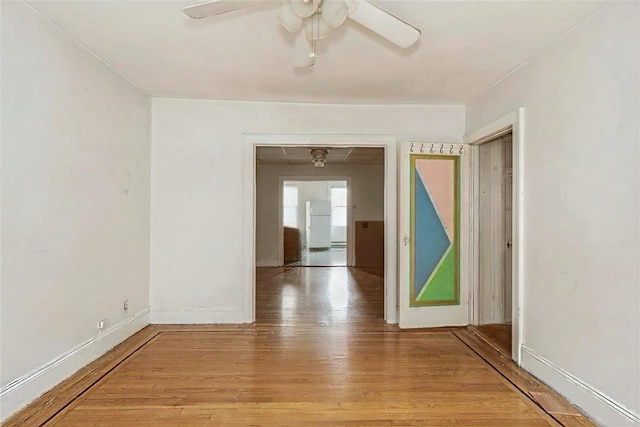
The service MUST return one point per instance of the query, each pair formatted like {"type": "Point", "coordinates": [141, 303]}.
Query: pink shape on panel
{"type": "Point", "coordinates": [437, 177]}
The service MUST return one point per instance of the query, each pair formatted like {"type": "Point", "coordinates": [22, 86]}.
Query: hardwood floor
{"type": "Point", "coordinates": [319, 353]}
{"type": "Point", "coordinates": [498, 335]}
{"type": "Point", "coordinates": [303, 297]}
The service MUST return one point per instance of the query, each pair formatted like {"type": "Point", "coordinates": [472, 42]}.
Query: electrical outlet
{"type": "Point", "coordinates": [125, 305]}
{"type": "Point", "coordinates": [101, 324]}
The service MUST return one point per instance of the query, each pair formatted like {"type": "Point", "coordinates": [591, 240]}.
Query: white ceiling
{"type": "Point", "coordinates": [301, 155]}
{"type": "Point", "coordinates": [465, 47]}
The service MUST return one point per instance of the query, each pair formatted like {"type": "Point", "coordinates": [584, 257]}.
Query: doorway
{"type": "Point", "coordinates": [495, 241]}
{"type": "Point", "coordinates": [263, 240]}
{"type": "Point", "coordinates": [511, 124]}
{"type": "Point", "coordinates": [315, 225]}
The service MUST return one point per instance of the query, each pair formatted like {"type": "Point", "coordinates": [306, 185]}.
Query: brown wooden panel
{"type": "Point", "coordinates": [369, 248]}
{"type": "Point", "coordinates": [291, 245]}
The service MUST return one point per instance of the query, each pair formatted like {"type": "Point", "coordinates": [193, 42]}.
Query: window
{"type": "Point", "coordinates": [290, 206]}
{"type": "Point", "coordinates": [338, 207]}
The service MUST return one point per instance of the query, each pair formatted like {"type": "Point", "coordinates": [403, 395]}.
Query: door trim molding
{"type": "Point", "coordinates": [253, 140]}
{"type": "Point", "coordinates": [514, 123]}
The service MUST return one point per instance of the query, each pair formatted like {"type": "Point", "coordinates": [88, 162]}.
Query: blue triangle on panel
{"type": "Point", "coordinates": [431, 240]}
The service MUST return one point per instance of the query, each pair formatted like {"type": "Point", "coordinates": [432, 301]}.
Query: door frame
{"type": "Point", "coordinates": [390, 145]}
{"type": "Point", "coordinates": [514, 123]}
{"type": "Point", "coordinates": [317, 178]}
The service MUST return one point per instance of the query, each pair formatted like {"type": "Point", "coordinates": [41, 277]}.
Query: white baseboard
{"type": "Point", "coordinates": [187, 315]}
{"type": "Point", "coordinates": [20, 392]}
{"type": "Point", "coordinates": [593, 402]}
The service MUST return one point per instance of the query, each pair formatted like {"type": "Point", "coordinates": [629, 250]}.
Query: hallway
{"type": "Point", "coordinates": [319, 353]}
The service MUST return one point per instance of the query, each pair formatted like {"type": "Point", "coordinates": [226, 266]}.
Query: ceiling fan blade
{"type": "Point", "coordinates": [218, 7]}
{"type": "Point", "coordinates": [302, 54]}
{"type": "Point", "coordinates": [385, 24]}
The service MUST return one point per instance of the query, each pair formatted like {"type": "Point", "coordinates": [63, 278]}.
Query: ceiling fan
{"type": "Point", "coordinates": [311, 20]}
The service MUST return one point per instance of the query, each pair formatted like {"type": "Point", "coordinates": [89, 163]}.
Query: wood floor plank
{"type": "Point", "coordinates": [496, 334]}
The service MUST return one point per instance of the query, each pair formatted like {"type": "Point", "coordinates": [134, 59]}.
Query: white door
{"type": "Point", "coordinates": [433, 288]}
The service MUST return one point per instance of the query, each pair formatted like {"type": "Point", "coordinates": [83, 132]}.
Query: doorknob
{"type": "Point", "coordinates": [509, 244]}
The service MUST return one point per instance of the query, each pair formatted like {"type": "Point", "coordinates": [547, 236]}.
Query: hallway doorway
{"type": "Point", "coordinates": [263, 168]}
{"type": "Point", "coordinates": [315, 222]}
{"type": "Point", "coordinates": [495, 236]}
{"type": "Point", "coordinates": [323, 252]}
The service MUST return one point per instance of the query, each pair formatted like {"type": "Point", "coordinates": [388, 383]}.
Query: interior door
{"type": "Point", "coordinates": [508, 228]}
{"type": "Point", "coordinates": [433, 290]}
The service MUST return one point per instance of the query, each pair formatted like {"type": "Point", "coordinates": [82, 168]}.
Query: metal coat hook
{"type": "Point", "coordinates": [441, 148]}
{"type": "Point", "coordinates": [451, 150]}
{"type": "Point", "coordinates": [461, 150]}
{"type": "Point", "coordinates": [422, 148]}
{"type": "Point", "coordinates": [431, 149]}
{"type": "Point", "coordinates": [411, 149]}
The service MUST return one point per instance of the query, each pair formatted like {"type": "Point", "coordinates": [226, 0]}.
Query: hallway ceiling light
{"type": "Point", "coordinates": [318, 156]}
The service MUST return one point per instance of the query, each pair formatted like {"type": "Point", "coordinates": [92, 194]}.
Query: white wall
{"type": "Point", "coordinates": [75, 206]}
{"type": "Point", "coordinates": [197, 188]}
{"type": "Point", "coordinates": [581, 184]}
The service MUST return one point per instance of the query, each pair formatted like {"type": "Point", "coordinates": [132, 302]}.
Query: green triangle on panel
{"type": "Point", "coordinates": [441, 285]}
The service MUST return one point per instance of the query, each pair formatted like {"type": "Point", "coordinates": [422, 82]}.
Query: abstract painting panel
{"type": "Point", "coordinates": [435, 230]}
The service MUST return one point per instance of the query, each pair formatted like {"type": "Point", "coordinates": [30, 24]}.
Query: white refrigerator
{"type": "Point", "coordinates": [318, 224]}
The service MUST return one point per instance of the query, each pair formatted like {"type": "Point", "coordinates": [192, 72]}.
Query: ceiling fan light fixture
{"type": "Point", "coordinates": [305, 9]}
{"type": "Point", "coordinates": [317, 17]}
{"type": "Point", "coordinates": [334, 12]}
{"type": "Point", "coordinates": [289, 19]}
